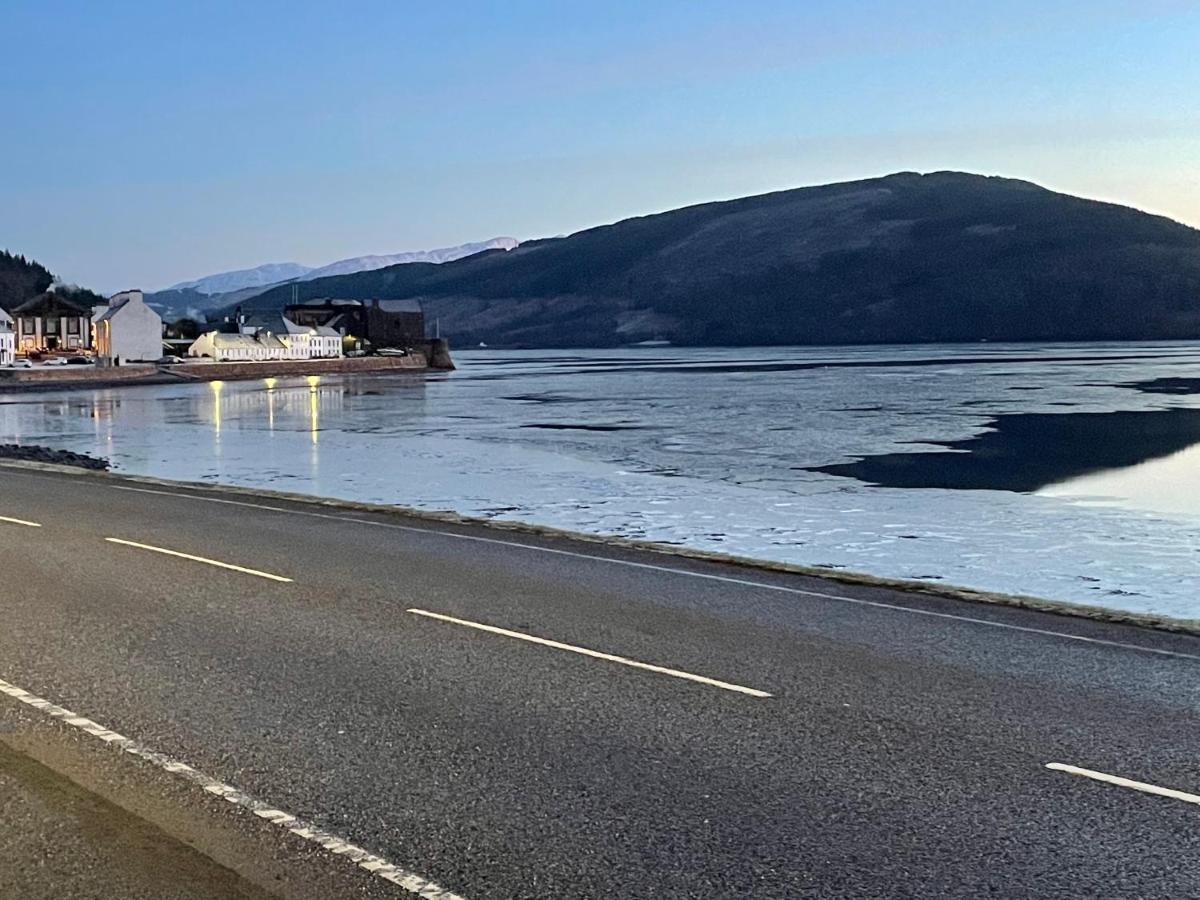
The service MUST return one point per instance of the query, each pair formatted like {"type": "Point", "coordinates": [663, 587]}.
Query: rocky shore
{"type": "Point", "coordinates": [49, 455]}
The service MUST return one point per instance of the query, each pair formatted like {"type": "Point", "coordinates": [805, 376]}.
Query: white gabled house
{"type": "Point", "coordinates": [8, 340]}
{"type": "Point", "coordinates": [126, 330]}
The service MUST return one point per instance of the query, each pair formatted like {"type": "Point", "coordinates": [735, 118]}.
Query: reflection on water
{"type": "Point", "coordinates": [214, 430]}
{"type": "Point", "coordinates": [1169, 485]}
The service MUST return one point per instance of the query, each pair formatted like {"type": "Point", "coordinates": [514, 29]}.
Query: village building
{"type": "Point", "coordinates": [126, 330]}
{"type": "Point", "coordinates": [8, 340]}
{"type": "Point", "coordinates": [221, 347]}
{"type": "Point", "coordinates": [302, 341]}
{"type": "Point", "coordinates": [398, 324]}
{"type": "Point", "coordinates": [50, 322]}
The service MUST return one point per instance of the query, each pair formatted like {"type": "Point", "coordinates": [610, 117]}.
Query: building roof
{"type": "Point", "coordinates": [112, 310]}
{"type": "Point", "coordinates": [5, 318]}
{"type": "Point", "coordinates": [50, 302]}
{"type": "Point", "coordinates": [324, 302]}
{"type": "Point", "coordinates": [276, 323]}
{"type": "Point", "coordinates": [399, 306]}
{"type": "Point", "coordinates": [327, 331]}
{"type": "Point", "coordinates": [223, 341]}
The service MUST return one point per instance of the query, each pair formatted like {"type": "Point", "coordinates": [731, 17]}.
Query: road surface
{"type": "Point", "coordinates": [339, 703]}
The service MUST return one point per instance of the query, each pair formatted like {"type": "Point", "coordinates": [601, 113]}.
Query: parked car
{"type": "Point", "coordinates": [22, 364]}
{"type": "Point", "coordinates": [55, 361]}
{"type": "Point", "coordinates": [169, 360]}
{"type": "Point", "coordinates": [79, 361]}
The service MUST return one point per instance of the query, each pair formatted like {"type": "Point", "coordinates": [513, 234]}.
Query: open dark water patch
{"type": "Point", "coordinates": [570, 426]}
{"type": "Point", "coordinates": [1177, 386]}
{"type": "Point", "coordinates": [1025, 452]}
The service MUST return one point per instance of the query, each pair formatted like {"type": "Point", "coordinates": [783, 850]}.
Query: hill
{"type": "Point", "coordinates": [905, 258]}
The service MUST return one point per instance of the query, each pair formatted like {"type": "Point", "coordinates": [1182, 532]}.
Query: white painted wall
{"type": "Point", "coordinates": [134, 332]}
{"type": "Point", "coordinates": [8, 340]}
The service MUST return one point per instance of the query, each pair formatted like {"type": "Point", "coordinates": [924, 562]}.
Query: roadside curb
{"type": "Point", "coordinates": [1151, 621]}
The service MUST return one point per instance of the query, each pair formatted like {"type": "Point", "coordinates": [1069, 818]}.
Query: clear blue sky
{"type": "Point", "coordinates": [147, 142]}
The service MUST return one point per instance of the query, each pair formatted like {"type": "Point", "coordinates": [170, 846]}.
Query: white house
{"type": "Point", "coordinates": [127, 330]}
{"type": "Point", "coordinates": [326, 343]}
{"type": "Point", "coordinates": [8, 340]}
{"type": "Point", "coordinates": [222, 347]}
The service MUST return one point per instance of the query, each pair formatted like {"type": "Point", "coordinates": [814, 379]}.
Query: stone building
{"type": "Point", "coordinates": [383, 323]}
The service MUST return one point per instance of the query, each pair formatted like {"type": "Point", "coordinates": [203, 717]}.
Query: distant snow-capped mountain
{"type": "Point", "coordinates": [259, 276]}
{"type": "Point", "coordinates": [446, 254]}
{"type": "Point", "coordinates": [277, 273]}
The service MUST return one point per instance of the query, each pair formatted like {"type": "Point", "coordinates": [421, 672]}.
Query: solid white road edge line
{"type": "Point", "coordinates": [199, 559]}
{"type": "Point", "coordinates": [12, 521]}
{"type": "Point", "coordinates": [726, 579]}
{"type": "Point", "coordinates": [595, 654]}
{"type": "Point", "coordinates": [376, 865]}
{"type": "Point", "coordinates": [1126, 783]}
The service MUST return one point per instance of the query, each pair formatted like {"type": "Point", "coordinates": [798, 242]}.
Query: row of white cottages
{"type": "Point", "coordinates": [271, 338]}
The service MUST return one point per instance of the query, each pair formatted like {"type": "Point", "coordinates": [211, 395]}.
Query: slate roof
{"type": "Point", "coordinates": [53, 304]}
{"type": "Point", "coordinates": [399, 306]}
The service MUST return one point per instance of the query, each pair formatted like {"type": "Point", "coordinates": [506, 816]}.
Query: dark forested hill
{"type": "Point", "coordinates": [940, 257]}
{"type": "Point", "coordinates": [20, 279]}
{"type": "Point", "coordinates": [23, 279]}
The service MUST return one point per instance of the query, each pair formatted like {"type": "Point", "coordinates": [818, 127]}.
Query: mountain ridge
{"type": "Point", "coordinates": [908, 257]}
{"type": "Point", "coordinates": [270, 274]}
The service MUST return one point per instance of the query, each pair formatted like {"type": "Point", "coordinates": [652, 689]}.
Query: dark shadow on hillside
{"type": "Point", "coordinates": [1027, 452]}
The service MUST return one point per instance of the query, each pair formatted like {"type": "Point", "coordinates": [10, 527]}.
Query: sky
{"type": "Point", "coordinates": [146, 143]}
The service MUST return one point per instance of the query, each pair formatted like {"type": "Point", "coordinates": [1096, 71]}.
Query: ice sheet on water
{"type": "Point", "coordinates": [713, 452]}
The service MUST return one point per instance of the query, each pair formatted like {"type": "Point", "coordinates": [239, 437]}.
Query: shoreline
{"type": "Point", "coordinates": [433, 355]}
{"type": "Point", "coordinates": [1150, 621]}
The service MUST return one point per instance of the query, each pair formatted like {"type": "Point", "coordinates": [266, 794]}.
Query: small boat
{"type": "Point", "coordinates": [390, 351]}
{"type": "Point", "coordinates": [658, 342]}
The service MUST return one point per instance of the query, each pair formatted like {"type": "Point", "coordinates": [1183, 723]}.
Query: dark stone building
{"type": "Point", "coordinates": [383, 323]}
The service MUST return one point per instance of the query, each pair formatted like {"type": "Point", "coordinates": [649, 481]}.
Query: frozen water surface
{"type": "Point", "coordinates": [715, 449]}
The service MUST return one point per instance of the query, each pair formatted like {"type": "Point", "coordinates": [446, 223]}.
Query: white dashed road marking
{"type": "Point", "coordinates": [376, 865]}
{"type": "Point", "coordinates": [725, 579]}
{"type": "Point", "coordinates": [1126, 783]}
{"type": "Point", "coordinates": [199, 559]}
{"type": "Point", "coordinates": [595, 654]}
{"type": "Point", "coordinates": [12, 521]}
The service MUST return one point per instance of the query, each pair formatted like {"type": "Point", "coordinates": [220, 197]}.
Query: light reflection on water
{"type": "Point", "coordinates": [1169, 485]}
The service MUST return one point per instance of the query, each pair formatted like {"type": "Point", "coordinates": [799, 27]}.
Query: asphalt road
{"type": "Point", "coordinates": [808, 739]}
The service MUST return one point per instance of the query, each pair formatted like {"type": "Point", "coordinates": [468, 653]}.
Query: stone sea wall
{"type": "Point", "coordinates": [433, 354]}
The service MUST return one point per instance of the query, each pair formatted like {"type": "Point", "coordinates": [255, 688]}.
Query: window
{"type": "Point", "coordinates": [72, 326]}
